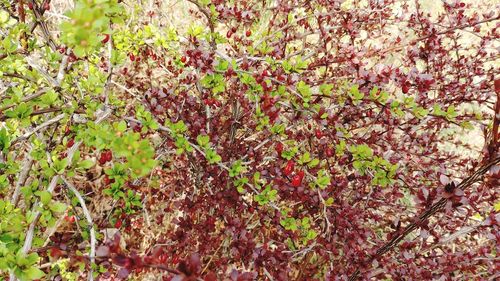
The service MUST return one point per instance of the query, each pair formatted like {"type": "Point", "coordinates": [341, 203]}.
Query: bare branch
{"type": "Point", "coordinates": [88, 217]}
{"type": "Point", "coordinates": [23, 176]}
{"type": "Point", "coordinates": [429, 212]}
{"type": "Point", "coordinates": [40, 127]}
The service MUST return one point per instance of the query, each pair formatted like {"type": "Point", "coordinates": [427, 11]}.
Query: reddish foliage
{"type": "Point", "coordinates": [219, 231]}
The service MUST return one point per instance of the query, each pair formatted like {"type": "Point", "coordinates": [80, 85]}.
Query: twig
{"type": "Point", "coordinates": [62, 68]}
{"type": "Point", "coordinates": [206, 13]}
{"type": "Point", "coordinates": [463, 231]}
{"type": "Point", "coordinates": [495, 130]}
{"type": "Point", "coordinates": [211, 257]}
{"type": "Point", "coordinates": [50, 231]}
{"type": "Point", "coordinates": [23, 176]}
{"type": "Point", "coordinates": [89, 221]}
{"type": "Point", "coordinates": [40, 127]}
{"type": "Point", "coordinates": [44, 73]}
{"type": "Point", "coordinates": [432, 210]}
{"type": "Point", "coordinates": [268, 274]}
{"type": "Point", "coordinates": [31, 230]}
{"type": "Point", "coordinates": [40, 21]}
{"type": "Point", "coordinates": [110, 70]}
{"type": "Point", "coordinates": [26, 99]}
{"type": "Point", "coordinates": [325, 213]}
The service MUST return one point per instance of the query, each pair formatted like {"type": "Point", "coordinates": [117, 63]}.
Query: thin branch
{"type": "Point", "coordinates": [452, 29]}
{"type": "Point", "coordinates": [26, 99]}
{"type": "Point", "coordinates": [39, 20]}
{"type": "Point", "coordinates": [44, 73]}
{"type": "Point", "coordinates": [89, 221]}
{"type": "Point", "coordinates": [211, 25]}
{"type": "Point", "coordinates": [43, 111]}
{"type": "Point", "coordinates": [429, 212]}
{"type": "Point", "coordinates": [212, 256]}
{"type": "Point", "coordinates": [461, 232]}
{"type": "Point", "coordinates": [23, 176]}
{"type": "Point", "coordinates": [40, 127]}
{"type": "Point", "coordinates": [268, 274]}
{"type": "Point", "coordinates": [494, 144]}
{"type": "Point", "coordinates": [62, 68]}
{"type": "Point", "coordinates": [109, 71]}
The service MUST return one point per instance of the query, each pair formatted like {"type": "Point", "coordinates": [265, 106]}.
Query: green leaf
{"type": "Point", "coordinates": [329, 201]}
{"type": "Point", "coordinates": [236, 169]}
{"type": "Point", "coordinates": [4, 140]}
{"type": "Point", "coordinates": [60, 165]}
{"type": "Point", "coordinates": [86, 164]}
{"type": "Point", "coordinates": [33, 273]}
{"type": "Point", "coordinates": [420, 112]}
{"type": "Point", "coordinates": [355, 94]}
{"type": "Point", "coordinates": [32, 258]}
{"type": "Point", "coordinates": [58, 207]}
{"type": "Point", "coordinates": [4, 17]}
{"type": "Point", "coordinates": [466, 125]}
{"type": "Point", "coordinates": [121, 126]}
{"type": "Point", "coordinates": [323, 182]}
{"type": "Point", "coordinates": [311, 234]}
{"type": "Point", "coordinates": [451, 113]}
{"type": "Point", "coordinates": [202, 140]}
{"type": "Point", "coordinates": [305, 158]}
{"type": "Point", "coordinates": [326, 89]}
{"type": "Point", "coordinates": [49, 97]}
{"type": "Point", "coordinates": [222, 66]}
{"type": "Point", "coordinates": [437, 110]}
{"type": "Point", "coordinates": [313, 163]}
{"type": "Point", "coordinates": [45, 196]}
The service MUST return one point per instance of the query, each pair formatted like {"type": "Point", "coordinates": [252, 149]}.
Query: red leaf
{"type": "Point", "coordinates": [102, 251]}
{"type": "Point", "coordinates": [210, 277]}
{"type": "Point", "coordinates": [123, 273]}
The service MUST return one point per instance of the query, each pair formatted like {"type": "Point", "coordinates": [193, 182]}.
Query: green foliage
{"type": "Point", "coordinates": [21, 112]}
{"type": "Point", "coordinates": [203, 141]}
{"type": "Point", "coordinates": [383, 171]}
{"type": "Point", "coordinates": [74, 79]}
{"type": "Point", "coordinates": [322, 180]}
{"type": "Point", "coordinates": [326, 89]}
{"type": "Point", "coordinates": [177, 130]}
{"type": "Point", "coordinates": [379, 95]}
{"type": "Point", "coordinates": [265, 196]}
{"type": "Point", "coordinates": [61, 266]}
{"type": "Point", "coordinates": [297, 65]}
{"type": "Point", "coordinates": [12, 224]}
{"type": "Point", "coordinates": [290, 153]}
{"type": "Point", "coordinates": [215, 82]}
{"type": "Point", "coordinates": [240, 183]}
{"type": "Point", "coordinates": [25, 267]}
{"type": "Point", "coordinates": [236, 169]}
{"type": "Point", "coordinates": [4, 140]}
{"type": "Point", "coordinates": [118, 173]}
{"type": "Point", "coordinates": [355, 94]}
{"type": "Point", "coordinates": [6, 20]}
{"type": "Point", "coordinates": [306, 92]}
{"type": "Point", "coordinates": [89, 20]}
{"type": "Point", "coordinates": [449, 114]}
{"type": "Point", "coordinates": [303, 226]}
{"type": "Point", "coordinates": [212, 156]}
